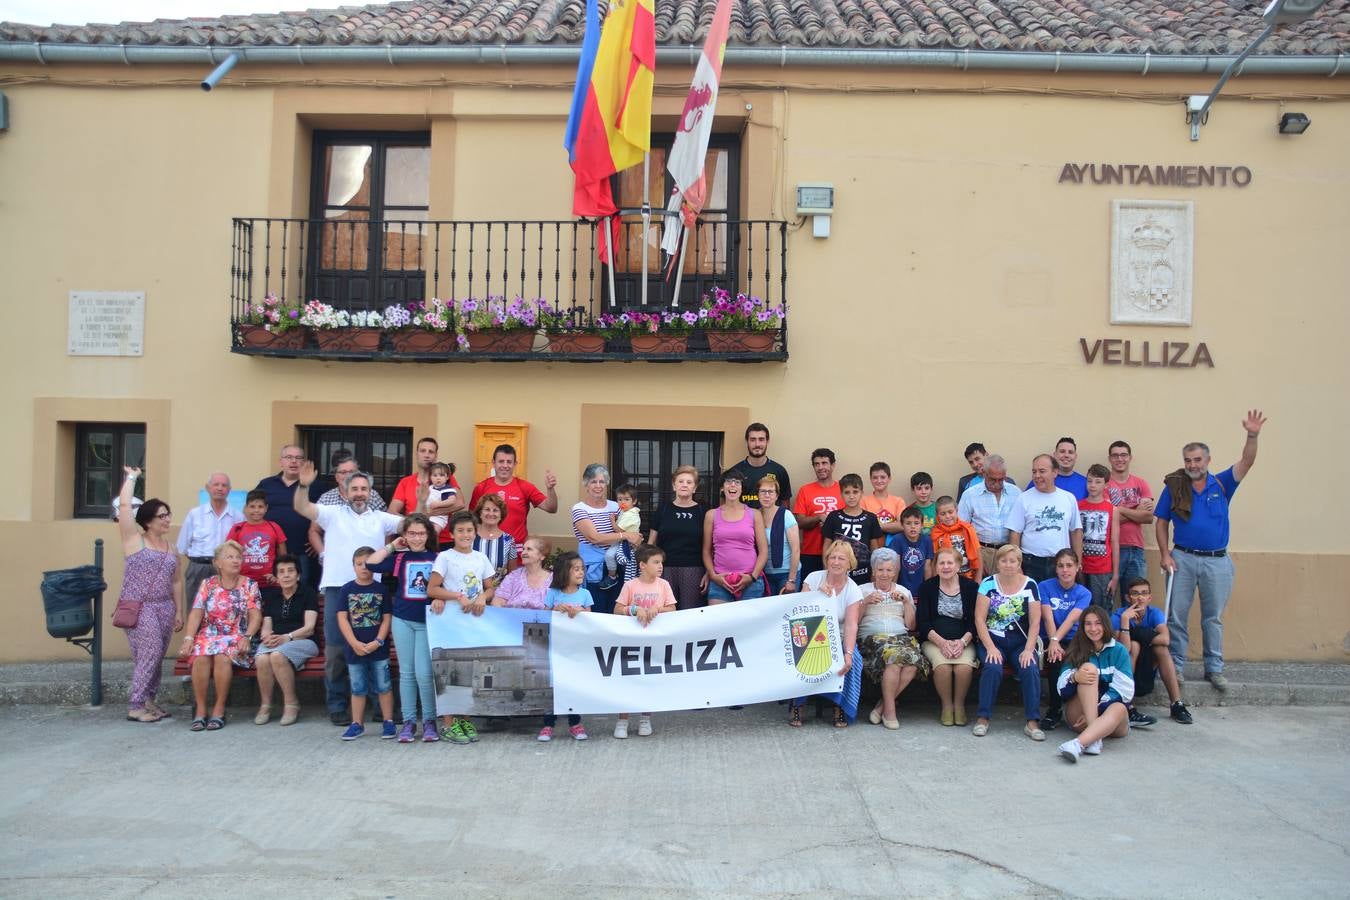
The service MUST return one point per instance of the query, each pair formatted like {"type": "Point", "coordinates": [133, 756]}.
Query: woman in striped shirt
{"type": "Point", "coordinates": [593, 524]}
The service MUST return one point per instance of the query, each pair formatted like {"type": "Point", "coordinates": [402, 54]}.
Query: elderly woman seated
{"type": "Point", "coordinates": [890, 652]}
{"type": "Point", "coordinates": [226, 614]}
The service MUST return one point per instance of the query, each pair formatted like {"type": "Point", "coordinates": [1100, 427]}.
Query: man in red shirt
{"type": "Point", "coordinates": [815, 501]}
{"type": "Point", "coordinates": [518, 493]}
{"type": "Point", "coordinates": [405, 495]}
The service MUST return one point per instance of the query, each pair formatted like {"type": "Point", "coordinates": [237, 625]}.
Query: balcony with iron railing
{"type": "Point", "coordinates": [351, 281]}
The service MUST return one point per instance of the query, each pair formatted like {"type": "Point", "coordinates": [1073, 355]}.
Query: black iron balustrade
{"type": "Point", "coordinates": [359, 265]}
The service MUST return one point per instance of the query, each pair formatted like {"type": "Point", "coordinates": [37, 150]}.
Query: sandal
{"type": "Point", "coordinates": [142, 715]}
{"type": "Point", "coordinates": [795, 716]}
{"type": "Point", "coordinates": [840, 720]}
{"type": "Point", "coordinates": [198, 724]}
{"type": "Point", "coordinates": [215, 723]}
{"type": "Point", "coordinates": [290, 713]}
{"type": "Point", "coordinates": [158, 710]}
{"type": "Point", "coordinates": [264, 714]}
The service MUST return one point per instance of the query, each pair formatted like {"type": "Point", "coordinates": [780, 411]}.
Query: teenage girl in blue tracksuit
{"type": "Point", "coordinates": [1097, 685]}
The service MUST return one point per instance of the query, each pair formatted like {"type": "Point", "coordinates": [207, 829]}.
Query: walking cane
{"type": "Point", "coordinates": [1167, 601]}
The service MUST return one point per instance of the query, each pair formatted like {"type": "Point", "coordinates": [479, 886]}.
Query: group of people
{"type": "Point", "coordinates": [986, 578]}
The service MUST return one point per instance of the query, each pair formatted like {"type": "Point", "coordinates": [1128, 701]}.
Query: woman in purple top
{"type": "Point", "coordinates": [149, 577]}
{"type": "Point", "coordinates": [527, 586]}
{"type": "Point", "coordinates": [734, 546]}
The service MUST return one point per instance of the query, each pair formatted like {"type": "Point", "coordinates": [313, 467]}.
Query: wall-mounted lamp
{"type": "Point", "coordinates": [1294, 123]}
{"type": "Point", "coordinates": [816, 199]}
{"type": "Point", "coordinates": [1278, 12]}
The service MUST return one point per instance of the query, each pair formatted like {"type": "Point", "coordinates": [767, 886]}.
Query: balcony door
{"type": "Point", "coordinates": [711, 258]}
{"type": "Point", "coordinates": [369, 206]}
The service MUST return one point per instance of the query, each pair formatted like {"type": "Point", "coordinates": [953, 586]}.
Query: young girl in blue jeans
{"type": "Point", "coordinates": [409, 560]}
{"type": "Point", "coordinates": [567, 595]}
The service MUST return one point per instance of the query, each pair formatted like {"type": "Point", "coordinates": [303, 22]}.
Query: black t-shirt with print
{"type": "Point", "coordinates": [859, 531]}
{"type": "Point", "coordinates": [679, 532]}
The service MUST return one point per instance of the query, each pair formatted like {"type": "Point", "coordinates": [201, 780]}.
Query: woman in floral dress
{"type": "Point", "coordinates": [226, 614]}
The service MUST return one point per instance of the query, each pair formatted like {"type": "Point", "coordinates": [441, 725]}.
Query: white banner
{"type": "Point", "coordinates": [734, 653]}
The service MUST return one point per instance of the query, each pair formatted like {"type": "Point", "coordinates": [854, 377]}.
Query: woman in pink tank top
{"type": "Point", "coordinates": [734, 546]}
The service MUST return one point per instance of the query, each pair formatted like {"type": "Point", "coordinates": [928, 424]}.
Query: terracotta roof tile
{"type": "Point", "coordinates": [1171, 27]}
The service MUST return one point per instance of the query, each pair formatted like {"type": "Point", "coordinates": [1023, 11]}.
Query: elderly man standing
{"type": "Point", "coordinates": [1195, 504]}
{"type": "Point", "coordinates": [280, 491]}
{"type": "Point", "coordinates": [204, 529]}
{"type": "Point", "coordinates": [347, 527]}
{"type": "Point", "coordinates": [1044, 521]}
{"type": "Point", "coordinates": [986, 504]}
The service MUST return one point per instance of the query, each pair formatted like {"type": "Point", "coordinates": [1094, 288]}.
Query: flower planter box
{"type": "Point", "coordinates": [259, 337]}
{"type": "Point", "coordinates": [347, 339]}
{"type": "Point", "coordinates": [659, 343]}
{"type": "Point", "coordinates": [491, 341]}
{"type": "Point", "coordinates": [576, 343]}
{"type": "Point", "coordinates": [740, 341]}
{"type": "Point", "coordinates": [423, 341]}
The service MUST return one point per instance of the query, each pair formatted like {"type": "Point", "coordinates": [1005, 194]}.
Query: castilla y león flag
{"type": "Point", "coordinates": [610, 126]}
{"type": "Point", "coordinates": [691, 136]}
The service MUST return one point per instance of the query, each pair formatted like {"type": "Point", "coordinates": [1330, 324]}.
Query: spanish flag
{"type": "Point", "coordinates": [610, 125]}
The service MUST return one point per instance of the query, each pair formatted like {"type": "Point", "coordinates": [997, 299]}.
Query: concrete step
{"type": "Point", "coordinates": [1250, 684]}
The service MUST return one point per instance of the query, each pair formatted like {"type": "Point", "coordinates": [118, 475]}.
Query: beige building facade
{"type": "Point", "coordinates": [964, 291]}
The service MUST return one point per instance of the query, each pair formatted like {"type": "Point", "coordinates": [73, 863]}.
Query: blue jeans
{"type": "Point", "coordinates": [603, 597]}
{"type": "Point", "coordinates": [1213, 575]}
{"type": "Point", "coordinates": [414, 670]}
{"type": "Point", "coordinates": [336, 683]}
{"type": "Point", "coordinates": [753, 591]}
{"type": "Point", "coordinates": [1131, 566]}
{"type": "Point", "coordinates": [370, 676]}
{"type": "Point", "coordinates": [776, 582]}
{"type": "Point", "coordinates": [991, 677]}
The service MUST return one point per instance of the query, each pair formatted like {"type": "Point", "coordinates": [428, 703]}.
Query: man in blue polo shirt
{"type": "Point", "coordinates": [1195, 504]}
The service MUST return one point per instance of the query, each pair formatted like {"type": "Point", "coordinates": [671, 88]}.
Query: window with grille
{"type": "Point", "coordinates": [386, 453]}
{"type": "Point", "coordinates": [646, 459]}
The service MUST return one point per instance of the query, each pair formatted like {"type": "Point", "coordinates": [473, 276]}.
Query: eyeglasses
{"type": "Point", "coordinates": [1120, 455]}
{"type": "Point", "coordinates": [1139, 594]}
{"type": "Point", "coordinates": [291, 456]}
{"type": "Point", "coordinates": [163, 515]}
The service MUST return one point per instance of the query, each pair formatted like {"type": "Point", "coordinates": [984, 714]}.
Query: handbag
{"type": "Point", "coordinates": [127, 613]}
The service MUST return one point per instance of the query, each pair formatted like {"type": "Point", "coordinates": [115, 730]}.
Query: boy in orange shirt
{"type": "Point", "coordinates": [950, 531]}
{"type": "Point", "coordinates": [881, 503]}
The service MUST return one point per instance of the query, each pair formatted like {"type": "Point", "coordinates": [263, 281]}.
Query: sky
{"type": "Point", "coordinates": [83, 12]}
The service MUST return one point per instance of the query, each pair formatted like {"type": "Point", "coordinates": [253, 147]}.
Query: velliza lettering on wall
{"type": "Point", "coordinates": [1168, 355]}
{"type": "Point", "coordinates": [1167, 176]}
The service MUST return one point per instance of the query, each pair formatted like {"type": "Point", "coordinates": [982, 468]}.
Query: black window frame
{"type": "Point", "coordinates": [654, 488]}
{"type": "Point", "coordinates": [382, 287]}
{"type": "Point", "coordinates": [120, 432]}
{"type": "Point", "coordinates": [361, 439]}
{"type": "Point", "coordinates": [628, 285]}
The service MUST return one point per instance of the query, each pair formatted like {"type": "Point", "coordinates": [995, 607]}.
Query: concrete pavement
{"type": "Point", "coordinates": [1249, 801]}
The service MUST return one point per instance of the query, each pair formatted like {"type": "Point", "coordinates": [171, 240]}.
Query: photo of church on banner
{"type": "Point", "coordinates": [510, 662]}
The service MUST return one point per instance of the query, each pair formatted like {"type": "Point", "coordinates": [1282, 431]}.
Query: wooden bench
{"type": "Point", "coordinates": [313, 667]}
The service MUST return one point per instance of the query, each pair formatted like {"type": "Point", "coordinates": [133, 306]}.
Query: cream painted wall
{"type": "Point", "coordinates": [946, 306]}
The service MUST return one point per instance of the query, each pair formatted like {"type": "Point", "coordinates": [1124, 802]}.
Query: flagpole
{"type": "Point", "coordinates": [609, 246]}
{"type": "Point", "coordinates": [646, 218]}
{"type": "Point", "coordinates": [679, 273]}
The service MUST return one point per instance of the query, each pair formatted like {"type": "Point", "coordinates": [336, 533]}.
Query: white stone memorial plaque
{"type": "Point", "coordinates": [1152, 250]}
{"type": "Point", "coordinates": [106, 323]}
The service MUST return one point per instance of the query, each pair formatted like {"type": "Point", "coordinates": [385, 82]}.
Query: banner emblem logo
{"type": "Point", "coordinates": [811, 645]}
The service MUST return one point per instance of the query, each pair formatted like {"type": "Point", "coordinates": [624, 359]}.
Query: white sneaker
{"type": "Point", "coordinates": [644, 726]}
{"type": "Point", "coordinates": [1071, 750]}
{"type": "Point", "coordinates": [1094, 748]}
{"type": "Point", "coordinates": [621, 729]}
